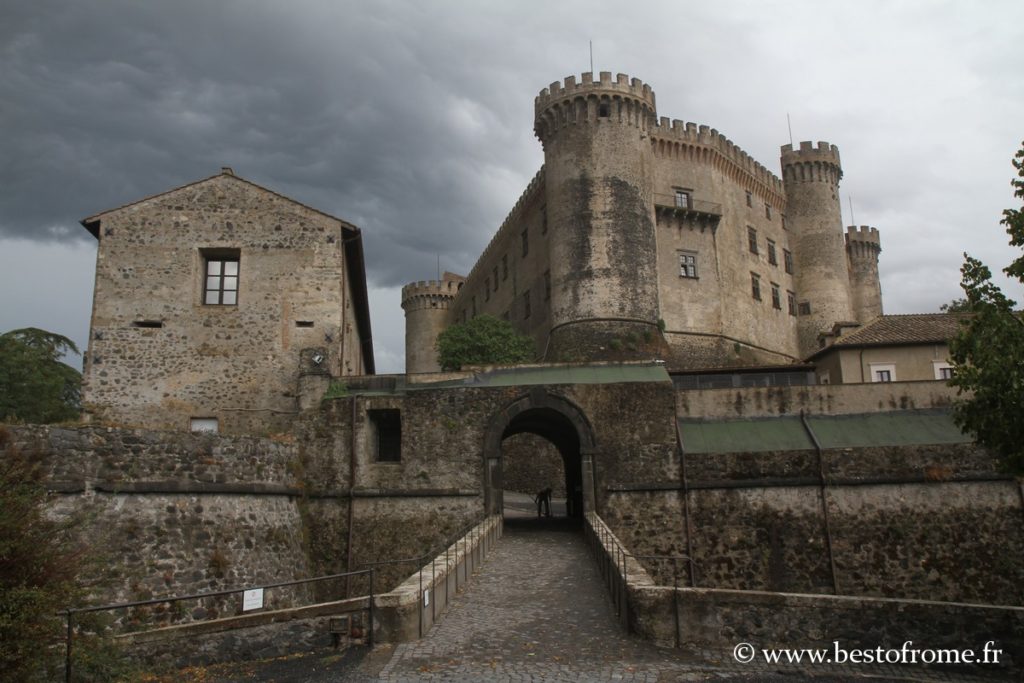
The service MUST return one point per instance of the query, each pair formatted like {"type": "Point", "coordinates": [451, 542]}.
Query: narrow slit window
{"type": "Point", "coordinates": [149, 324]}
{"type": "Point", "coordinates": [303, 323]}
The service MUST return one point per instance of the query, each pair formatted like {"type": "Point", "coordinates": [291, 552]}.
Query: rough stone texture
{"type": "Point", "coordinates": [604, 226]}
{"type": "Point", "coordinates": [237, 363]}
{"type": "Point", "coordinates": [530, 464]}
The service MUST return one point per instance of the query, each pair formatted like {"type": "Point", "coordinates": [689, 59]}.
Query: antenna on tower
{"type": "Point", "coordinates": [853, 221]}
{"type": "Point", "coordinates": [439, 267]}
{"type": "Point", "coordinates": [591, 56]}
{"type": "Point", "coordinates": [789, 125]}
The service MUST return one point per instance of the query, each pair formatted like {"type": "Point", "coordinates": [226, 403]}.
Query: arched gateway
{"type": "Point", "coordinates": [559, 421]}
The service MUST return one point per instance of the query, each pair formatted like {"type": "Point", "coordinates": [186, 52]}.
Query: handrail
{"type": "Point", "coordinates": [671, 201]}
{"type": "Point", "coordinates": [70, 612]}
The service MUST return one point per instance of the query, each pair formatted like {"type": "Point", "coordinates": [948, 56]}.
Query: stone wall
{"type": "Point", "coordinates": [159, 354]}
{"type": "Point", "coordinates": [530, 463]}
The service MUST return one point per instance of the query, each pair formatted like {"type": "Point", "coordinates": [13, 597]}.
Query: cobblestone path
{"type": "Point", "coordinates": [538, 611]}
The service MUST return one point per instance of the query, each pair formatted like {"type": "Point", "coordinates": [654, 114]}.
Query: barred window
{"type": "Point", "coordinates": [787, 259]}
{"type": "Point", "coordinates": [776, 297]}
{"type": "Point", "coordinates": [755, 286]}
{"type": "Point", "coordinates": [752, 240]}
{"type": "Point", "coordinates": [772, 259]}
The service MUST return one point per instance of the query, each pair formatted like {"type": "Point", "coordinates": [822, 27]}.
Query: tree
{"type": "Point", "coordinates": [956, 306]}
{"type": "Point", "coordinates": [481, 341]}
{"type": "Point", "coordinates": [35, 386]}
{"type": "Point", "coordinates": [988, 351]}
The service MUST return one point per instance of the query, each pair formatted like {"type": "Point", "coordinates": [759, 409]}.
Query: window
{"type": "Point", "coordinates": [791, 302]}
{"type": "Point", "coordinates": [385, 434]}
{"type": "Point", "coordinates": [752, 240]}
{"type": "Point", "coordinates": [943, 370]}
{"type": "Point", "coordinates": [603, 110]}
{"type": "Point", "coordinates": [804, 308]}
{"type": "Point", "coordinates": [688, 264]}
{"type": "Point", "coordinates": [755, 286]}
{"type": "Point", "coordinates": [783, 218]}
{"type": "Point", "coordinates": [487, 289]}
{"type": "Point", "coordinates": [526, 304]}
{"type": "Point", "coordinates": [544, 220]}
{"type": "Point", "coordinates": [220, 286]}
{"type": "Point", "coordinates": [682, 198]}
{"type": "Point", "coordinates": [204, 424]}
{"type": "Point", "coordinates": [767, 210]}
{"type": "Point", "coordinates": [787, 260]}
{"type": "Point", "coordinates": [883, 372]}
{"type": "Point", "coordinates": [772, 259]}
{"type": "Point", "coordinates": [526, 242]}
{"type": "Point", "coordinates": [750, 198]}
{"type": "Point", "coordinates": [547, 285]}
{"type": "Point", "coordinates": [495, 278]}
{"type": "Point", "coordinates": [504, 266]}
{"type": "Point", "coordinates": [776, 297]}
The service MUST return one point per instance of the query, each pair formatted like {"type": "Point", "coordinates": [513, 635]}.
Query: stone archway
{"type": "Point", "coordinates": [559, 421]}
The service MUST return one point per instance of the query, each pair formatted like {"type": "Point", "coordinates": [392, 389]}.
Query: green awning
{"type": "Point", "coordinates": [744, 436]}
{"type": "Point", "coordinates": [910, 427]}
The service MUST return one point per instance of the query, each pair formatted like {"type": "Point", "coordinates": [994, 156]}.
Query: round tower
{"type": "Point", "coordinates": [599, 166]}
{"type": "Point", "coordinates": [862, 248]}
{"type": "Point", "coordinates": [811, 177]}
{"type": "Point", "coordinates": [426, 306]}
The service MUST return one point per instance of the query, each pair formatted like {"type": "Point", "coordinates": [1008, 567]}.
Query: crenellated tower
{"type": "Point", "coordinates": [598, 183]}
{"type": "Point", "coordinates": [811, 178]}
{"type": "Point", "coordinates": [426, 305]}
{"type": "Point", "coordinates": [862, 248]}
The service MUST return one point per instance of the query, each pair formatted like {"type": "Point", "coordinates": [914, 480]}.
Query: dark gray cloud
{"type": "Point", "coordinates": [413, 119]}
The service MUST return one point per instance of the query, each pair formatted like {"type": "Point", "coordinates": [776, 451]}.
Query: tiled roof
{"type": "Point", "coordinates": [915, 328]}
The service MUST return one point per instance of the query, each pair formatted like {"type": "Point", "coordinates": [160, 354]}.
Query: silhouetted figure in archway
{"type": "Point", "coordinates": [543, 500]}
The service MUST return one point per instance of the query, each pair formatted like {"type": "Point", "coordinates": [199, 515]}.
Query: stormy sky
{"type": "Point", "coordinates": [413, 120]}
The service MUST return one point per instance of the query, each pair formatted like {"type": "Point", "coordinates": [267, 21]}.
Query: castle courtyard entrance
{"type": "Point", "coordinates": [557, 425]}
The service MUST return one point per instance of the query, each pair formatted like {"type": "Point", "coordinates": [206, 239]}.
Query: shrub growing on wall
{"type": "Point", "coordinates": [484, 340]}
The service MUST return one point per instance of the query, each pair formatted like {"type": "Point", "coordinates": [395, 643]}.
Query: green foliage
{"type": "Point", "coordinates": [956, 306]}
{"type": "Point", "coordinates": [38, 563]}
{"type": "Point", "coordinates": [483, 340]}
{"type": "Point", "coordinates": [35, 386]}
{"type": "Point", "coordinates": [988, 352]}
{"type": "Point", "coordinates": [336, 390]}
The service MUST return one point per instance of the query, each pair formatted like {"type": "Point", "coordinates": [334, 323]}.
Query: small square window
{"type": "Point", "coordinates": [752, 240]}
{"type": "Point", "coordinates": [220, 279]}
{"type": "Point", "coordinates": [755, 286]}
{"type": "Point", "coordinates": [787, 259]}
{"type": "Point", "coordinates": [945, 373]}
{"type": "Point", "coordinates": [688, 265]}
{"type": "Point", "coordinates": [804, 308]}
{"type": "Point", "coordinates": [682, 198]}
{"type": "Point", "coordinates": [204, 424]}
{"type": "Point", "coordinates": [881, 375]}
{"type": "Point", "coordinates": [776, 297]}
{"type": "Point", "coordinates": [604, 110]}
{"type": "Point", "coordinates": [772, 259]}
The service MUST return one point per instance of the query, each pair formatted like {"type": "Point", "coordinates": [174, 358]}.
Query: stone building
{"type": "Point", "coordinates": [213, 300]}
{"type": "Point", "coordinates": [642, 237]}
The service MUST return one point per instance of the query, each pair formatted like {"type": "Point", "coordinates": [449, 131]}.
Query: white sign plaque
{"type": "Point", "coordinates": [426, 598]}
{"type": "Point", "coordinates": [252, 599]}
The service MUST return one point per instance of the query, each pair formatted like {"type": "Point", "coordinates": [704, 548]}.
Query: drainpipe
{"type": "Point", "coordinates": [351, 493]}
{"type": "Point", "coordinates": [686, 506]}
{"type": "Point", "coordinates": [824, 502]}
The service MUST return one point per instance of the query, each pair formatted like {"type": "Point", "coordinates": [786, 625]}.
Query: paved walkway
{"type": "Point", "coordinates": [538, 611]}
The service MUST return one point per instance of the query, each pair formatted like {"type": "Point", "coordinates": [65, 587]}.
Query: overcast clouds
{"type": "Point", "coordinates": [413, 120]}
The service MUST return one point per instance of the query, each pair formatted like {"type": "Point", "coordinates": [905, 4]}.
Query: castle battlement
{"type": "Point", "coordinates": [429, 293]}
{"type": "Point", "coordinates": [810, 163]}
{"type": "Point", "coordinates": [536, 184]}
{"type": "Point", "coordinates": [687, 133]}
{"type": "Point", "coordinates": [569, 89]}
{"type": "Point", "coordinates": [864, 236]}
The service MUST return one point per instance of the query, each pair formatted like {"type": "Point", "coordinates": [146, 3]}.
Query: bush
{"type": "Point", "coordinates": [484, 340]}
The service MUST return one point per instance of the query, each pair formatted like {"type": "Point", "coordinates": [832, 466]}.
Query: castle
{"type": "Point", "coordinates": [642, 237]}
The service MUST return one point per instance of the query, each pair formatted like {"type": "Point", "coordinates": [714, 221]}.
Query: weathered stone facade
{"type": "Point", "coordinates": [643, 237]}
{"type": "Point", "coordinates": [205, 298]}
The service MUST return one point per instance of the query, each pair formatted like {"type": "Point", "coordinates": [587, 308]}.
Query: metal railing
{"type": "Point", "coordinates": [71, 612]}
{"type": "Point", "coordinates": [671, 201]}
{"type": "Point", "coordinates": [609, 552]}
{"type": "Point", "coordinates": [469, 536]}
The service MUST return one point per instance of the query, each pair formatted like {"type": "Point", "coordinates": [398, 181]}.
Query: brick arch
{"type": "Point", "coordinates": [556, 419]}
